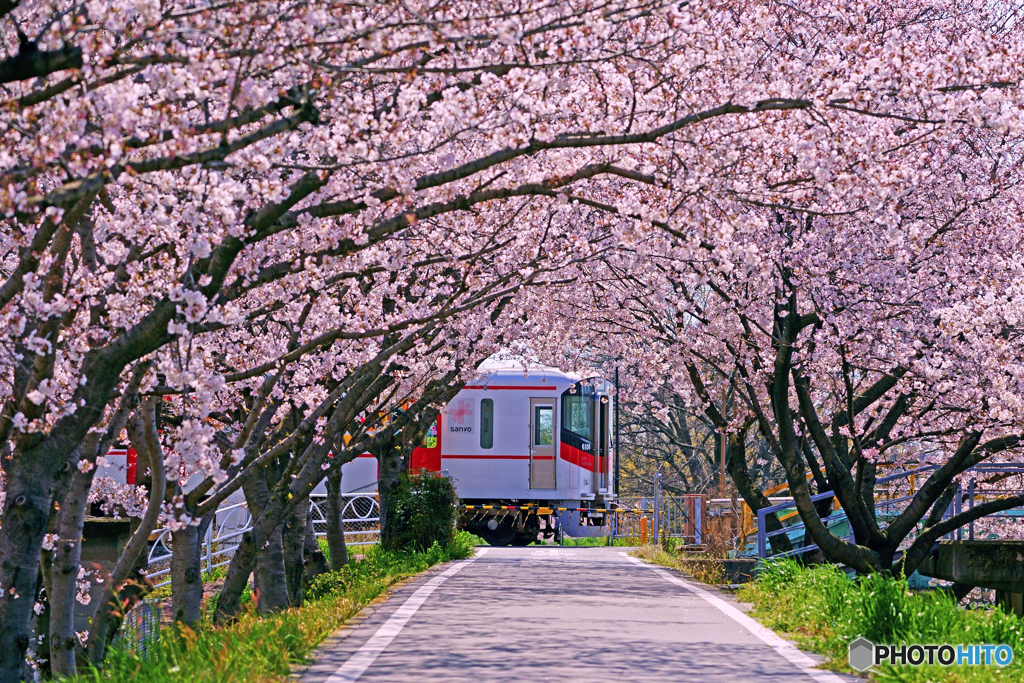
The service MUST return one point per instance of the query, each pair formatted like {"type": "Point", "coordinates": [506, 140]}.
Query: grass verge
{"type": "Point", "coordinates": [823, 611]}
{"type": "Point", "coordinates": [260, 649]}
{"type": "Point", "coordinates": [694, 564]}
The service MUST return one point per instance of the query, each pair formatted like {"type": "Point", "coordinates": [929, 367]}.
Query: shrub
{"type": "Point", "coordinates": [463, 545]}
{"type": "Point", "coordinates": [424, 511]}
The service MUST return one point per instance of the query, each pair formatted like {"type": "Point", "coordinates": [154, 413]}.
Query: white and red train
{"type": "Point", "coordinates": [541, 439]}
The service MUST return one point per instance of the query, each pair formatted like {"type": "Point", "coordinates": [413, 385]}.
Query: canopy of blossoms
{"type": "Point", "coordinates": [284, 220]}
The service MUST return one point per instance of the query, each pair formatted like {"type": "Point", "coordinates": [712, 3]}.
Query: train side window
{"type": "Point", "coordinates": [487, 423]}
{"type": "Point", "coordinates": [543, 426]}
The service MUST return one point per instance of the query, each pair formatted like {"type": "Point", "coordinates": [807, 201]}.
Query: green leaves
{"type": "Point", "coordinates": [424, 511]}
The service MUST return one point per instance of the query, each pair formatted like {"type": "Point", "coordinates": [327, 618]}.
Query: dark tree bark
{"type": "Point", "coordinates": [390, 465]}
{"type": "Point", "coordinates": [186, 575]}
{"type": "Point", "coordinates": [294, 541]}
{"type": "Point", "coordinates": [42, 620]}
{"type": "Point", "coordinates": [270, 580]}
{"type": "Point", "coordinates": [336, 546]}
{"type": "Point", "coordinates": [31, 62]}
{"type": "Point", "coordinates": [30, 488]}
{"type": "Point", "coordinates": [67, 555]}
{"type": "Point", "coordinates": [316, 561]}
{"type": "Point", "coordinates": [271, 587]}
{"type": "Point", "coordinates": [752, 495]}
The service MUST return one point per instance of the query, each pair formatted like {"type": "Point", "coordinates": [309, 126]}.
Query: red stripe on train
{"type": "Point", "coordinates": [577, 457]}
{"type": "Point", "coordinates": [491, 457]}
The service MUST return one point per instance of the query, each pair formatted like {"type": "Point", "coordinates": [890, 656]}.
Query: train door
{"type": "Point", "coordinates": [543, 430]}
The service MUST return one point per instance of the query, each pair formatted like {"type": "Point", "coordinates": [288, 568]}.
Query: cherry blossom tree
{"type": "Point", "coordinates": [298, 213]}
{"type": "Point", "coordinates": [848, 281]}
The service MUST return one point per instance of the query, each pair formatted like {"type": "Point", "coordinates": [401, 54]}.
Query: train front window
{"type": "Point", "coordinates": [543, 426]}
{"type": "Point", "coordinates": [576, 414]}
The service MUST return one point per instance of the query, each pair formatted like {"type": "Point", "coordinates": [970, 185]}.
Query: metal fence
{"type": "Point", "coordinates": [360, 520]}
{"type": "Point", "coordinates": [677, 517]}
{"type": "Point", "coordinates": [892, 494]}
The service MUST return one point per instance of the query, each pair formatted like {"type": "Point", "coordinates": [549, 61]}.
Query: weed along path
{"type": "Point", "coordinates": [558, 614]}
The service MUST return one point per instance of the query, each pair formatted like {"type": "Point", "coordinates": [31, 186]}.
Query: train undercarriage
{"type": "Point", "coordinates": [515, 523]}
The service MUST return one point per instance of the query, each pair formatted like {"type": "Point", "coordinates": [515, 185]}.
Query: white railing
{"type": "Point", "coordinates": [360, 521]}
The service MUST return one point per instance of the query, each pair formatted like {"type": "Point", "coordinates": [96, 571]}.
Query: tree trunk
{"type": "Point", "coordinates": [389, 462]}
{"type": "Point", "coordinates": [336, 546]}
{"type": "Point", "coordinates": [269, 569]}
{"type": "Point", "coordinates": [316, 561]}
{"type": "Point", "coordinates": [26, 514]}
{"type": "Point", "coordinates": [67, 556]}
{"type": "Point", "coordinates": [270, 575]}
{"type": "Point", "coordinates": [294, 541]}
{"type": "Point", "coordinates": [42, 620]}
{"type": "Point", "coordinates": [186, 574]}
{"type": "Point", "coordinates": [242, 562]}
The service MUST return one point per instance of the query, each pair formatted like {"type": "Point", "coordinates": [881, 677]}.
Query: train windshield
{"type": "Point", "coordinates": [576, 411]}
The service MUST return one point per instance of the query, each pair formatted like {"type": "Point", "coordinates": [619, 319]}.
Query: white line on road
{"type": "Point", "coordinates": [359, 662]}
{"type": "Point", "coordinates": [780, 645]}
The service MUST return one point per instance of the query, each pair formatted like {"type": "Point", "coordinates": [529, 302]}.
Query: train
{"type": "Point", "coordinates": [535, 440]}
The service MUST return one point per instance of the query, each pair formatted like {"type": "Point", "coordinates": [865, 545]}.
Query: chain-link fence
{"type": "Point", "coordinates": [140, 629]}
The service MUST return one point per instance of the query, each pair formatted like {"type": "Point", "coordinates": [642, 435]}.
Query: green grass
{"type": "Point", "coordinates": [214, 574]}
{"type": "Point", "coordinates": [823, 611]}
{"type": "Point", "coordinates": [694, 564]}
{"type": "Point", "coordinates": [260, 649]}
{"type": "Point", "coordinates": [594, 542]}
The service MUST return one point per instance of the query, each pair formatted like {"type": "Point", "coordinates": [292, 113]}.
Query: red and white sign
{"type": "Point", "coordinates": [460, 412]}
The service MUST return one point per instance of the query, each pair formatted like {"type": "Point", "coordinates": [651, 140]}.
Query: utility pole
{"type": "Point", "coordinates": [721, 474]}
{"type": "Point", "coordinates": [725, 418]}
{"type": "Point", "coordinates": [615, 484]}
{"type": "Point", "coordinates": [657, 505]}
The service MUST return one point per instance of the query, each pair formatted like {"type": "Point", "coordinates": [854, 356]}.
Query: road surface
{"type": "Point", "coordinates": [558, 614]}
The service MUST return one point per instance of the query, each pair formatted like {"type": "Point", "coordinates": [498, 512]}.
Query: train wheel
{"type": "Point", "coordinates": [505, 534]}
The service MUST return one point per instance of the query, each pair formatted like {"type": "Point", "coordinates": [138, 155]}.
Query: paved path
{"type": "Point", "coordinates": [558, 614]}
